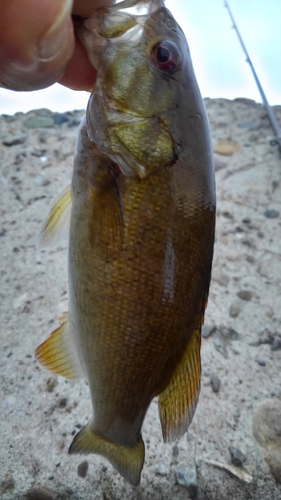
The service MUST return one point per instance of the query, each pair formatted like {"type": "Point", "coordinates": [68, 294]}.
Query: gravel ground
{"type": "Point", "coordinates": [233, 447]}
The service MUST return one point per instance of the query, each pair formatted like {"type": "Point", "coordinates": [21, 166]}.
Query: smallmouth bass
{"type": "Point", "coordinates": [142, 219]}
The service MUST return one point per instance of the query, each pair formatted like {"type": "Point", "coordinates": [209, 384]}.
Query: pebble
{"type": "Point", "coordinates": [52, 382]}
{"type": "Point", "coordinates": [74, 123]}
{"type": "Point", "coordinates": [161, 469]}
{"type": "Point", "coordinates": [42, 493]}
{"type": "Point", "coordinates": [215, 383]}
{"type": "Point", "coordinates": [41, 181]}
{"type": "Point", "coordinates": [267, 431]}
{"type": "Point", "coordinates": [82, 469]}
{"type": "Point", "coordinates": [261, 362]}
{"type": "Point", "coordinates": [219, 164]}
{"type": "Point", "coordinates": [276, 343]}
{"type": "Point", "coordinates": [235, 309]}
{"type": "Point", "coordinates": [175, 450]}
{"type": "Point", "coordinates": [237, 457]}
{"type": "Point", "coordinates": [220, 277]}
{"type": "Point", "coordinates": [187, 477]}
{"type": "Point", "coordinates": [228, 333]}
{"type": "Point", "coordinates": [220, 346]}
{"type": "Point", "coordinates": [249, 125]}
{"type": "Point", "coordinates": [7, 484]}
{"type": "Point", "coordinates": [12, 140]}
{"type": "Point", "coordinates": [207, 331]}
{"type": "Point", "coordinates": [39, 121]}
{"type": "Point", "coordinates": [245, 295]}
{"type": "Point", "coordinates": [226, 148]}
{"type": "Point", "coordinates": [60, 118]}
{"type": "Point", "coordinates": [271, 214]}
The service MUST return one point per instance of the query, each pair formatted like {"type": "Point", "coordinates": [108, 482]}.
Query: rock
{"type": "Point", "coordinates": [52, 382]}
{"type": "Point", "coordinates": [60, 118]}
{"type": "Point", "coordinates": [7, 484]}
{"type": "Point", "coordinates": [39, 121]}
{"type": "Point", "coordinates": [74, 123]}
{"type": "Point", "coordinates": [161, 469]}
{"type": "Point", "coordinates": [276, 343]}
{"type": "Point", "coordinates": [226, 148]}
{"type": "Point", "coordinates": [175, 450]}
{"type": "Point", "coordinates": [271, 214]}
{"type": "Point", "coordinates": [223, 337]}
{"type": "Point", "coordinates": [249, 125]}
{"type": "Point", "coordinates": [207, 331]}
{"type": "Point", "coordinates": [42, 493]}
{"type": "Point", "coordinates": [261, 362]}
{"type": "Point", "coordinates": [245, 295]}
{"type": "Point", "coordinates": [82, 469]}
{"type": "Point", "coordinates": [187, 477]}
{"type": "Point", "coordinates": [235, 309]}
{"type": "Point", "coordinates": [220, 277]}
{"type": "Point", "coordinates": [13, 139]}
{"type": "Point", "coordinates": [237, 457]}
{"type": "Point", "coordinates": [245, 100]}
{"type": "Point", "coordinates": [220, 346]}
{"type": "Point", "coordinates": [267, 431]}
{"type": "Point", "coordinates": [228, 333]}
{"type": "Point", "coordinates": [219, 163]}
{"type": "Point", "coordinates": [215, 383]}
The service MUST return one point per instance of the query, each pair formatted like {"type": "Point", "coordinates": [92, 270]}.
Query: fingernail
{"type": "Point", "coordinates": [55, 38]}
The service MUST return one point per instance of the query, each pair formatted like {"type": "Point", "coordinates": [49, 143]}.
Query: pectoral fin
{"type": "Point", "coordinates": [106, 227]}
{"type": "Point", "coordinates": [127, 461]}
{"type": "Point", "coordinates": [177, 403]}
{"type": "Point", "coordinates": [56, 227]}
{"type": "Point", "coordinates": [58, 353]}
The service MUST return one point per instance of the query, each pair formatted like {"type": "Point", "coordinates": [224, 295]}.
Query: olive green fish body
{"type": "Point", "coordinates": [141, 235]}
{"type": "Point", "coordinates": [137, 305]}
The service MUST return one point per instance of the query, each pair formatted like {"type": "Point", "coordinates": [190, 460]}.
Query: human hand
{"type": "Point", "coordinates": [38, 46]}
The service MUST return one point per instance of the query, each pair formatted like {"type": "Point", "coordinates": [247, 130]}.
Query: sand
{"type": "Point", "coordinates": [240, 400]}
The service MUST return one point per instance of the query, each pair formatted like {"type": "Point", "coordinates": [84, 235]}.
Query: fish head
{"type": "Point", "coordinates": [136, 112]}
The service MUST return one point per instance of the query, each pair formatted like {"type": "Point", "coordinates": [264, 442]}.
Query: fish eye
{"type": "Point", "coordinates": [166, 56]}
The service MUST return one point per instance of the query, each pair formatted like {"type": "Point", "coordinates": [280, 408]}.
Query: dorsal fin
{"type": "Point", "coordinates": [56, 227]}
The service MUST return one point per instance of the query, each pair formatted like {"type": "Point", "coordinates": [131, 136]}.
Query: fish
{"type": "Point", "coordinates": [141, 216]}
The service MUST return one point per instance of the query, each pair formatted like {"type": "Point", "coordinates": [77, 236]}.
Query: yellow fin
{"type": "Point", "coordinates": [56, 227]}
{"type": "Point", "coordinates": [177, 403]}
{"type": "Point", "coordinates": [127, 461]}
{"type": "Point", "coordinates": [58, 353]}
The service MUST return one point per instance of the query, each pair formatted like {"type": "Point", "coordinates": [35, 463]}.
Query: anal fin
{"type": "Point", "coordinates": [128, 461]}
{"type": "Point", "coordinates": [177, 403]}
{"type": "Point", "coordinates": [58, 352]}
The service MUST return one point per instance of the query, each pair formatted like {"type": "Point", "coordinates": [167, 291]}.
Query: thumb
{"type": "Point", "coordinates": [36, 42]}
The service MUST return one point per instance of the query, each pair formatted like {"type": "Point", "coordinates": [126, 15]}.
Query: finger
{"type": "Point", "coordinates": [85, 8]}
{"type": "Point", "coordinates": [36, 42]}
{"type": "Point", "coordinates": [80, 73]}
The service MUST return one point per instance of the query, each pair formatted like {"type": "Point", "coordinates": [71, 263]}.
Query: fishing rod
{"type": "Point", "coordinates": [270, 113]}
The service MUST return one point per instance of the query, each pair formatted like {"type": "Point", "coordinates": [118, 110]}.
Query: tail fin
{"type": "Point", "coordinates": [127, 461]}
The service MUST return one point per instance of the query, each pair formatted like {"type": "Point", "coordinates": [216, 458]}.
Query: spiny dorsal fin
{"type": "Point", "coordinates": [177, 403]}
{"type": "Point", "coordinates": [58, 352]}
{"type": "Point", "coordinates": [56, 227]}
{"type": "Point", "coordinates": [128, 461]}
